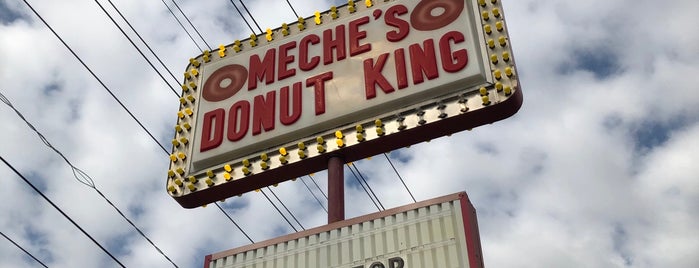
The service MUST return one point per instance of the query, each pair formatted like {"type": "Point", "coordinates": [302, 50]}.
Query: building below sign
{"type": "Point", "coordinates": [442, 232]}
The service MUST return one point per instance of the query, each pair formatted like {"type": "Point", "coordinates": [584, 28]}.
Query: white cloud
{"type": "Point", "coordinates": [572, 180]}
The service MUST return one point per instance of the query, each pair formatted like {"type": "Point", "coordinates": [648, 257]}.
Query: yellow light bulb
{"type": "Point", "coordinates": [283, 159]}
{"type": "Point", "coordinates": [227, 176]}
{"type": "Point", "coordinates": [175, 142]}
{"type": "Point", "coordinates": [320, 140]}
{"type": "Point", "coordinates": [170, 173]}
{"type": "Point", "coordinates": [264, 165]}
{"type": "Point", "coordinates": [340, 143]}
{"type": "Point", "coordinates": [178, 182]}
{"type": "Point", "coordinates": [317, 18]}
{"type": "Point", "coordinates": [378, 123]}
{"type": "Point", "coordinates": [486, 15]}
{"type": "Point", "coordinates": [498, 74]}
{"type": "Point", "coordinates": [493, 1]}
{"type": "Point", "coordinates": [483, 91]}
{"type": "Point", "coordinates": [486, 100]}
{"type": "Point", "coordinates": [502, 41]}
{"type": "Point", "coordinates": [491, 43]}
{"type": "Point", "coordinates": [494, 59]}
{"type": "Point", "coordinates": [338, 134]}
{"type": "Point", "coordinates": [185, 88]}
{"type": "Point", "coordinates": [320, 148]}
{"type": "Point", "coordinates": [488, 29]}
{"type": "Point", "coordinates": [173, 158]}
{"type": "Point", "coordinates": [178, 128]}
{"type": "Point", "coordinates": [193, 85]}
{"type": "Point", "coordinates": [209, 182]}
{"type": "Point", "coordinates": [192, 179]}
{"type": "Point", "coordinates": [368, 3]}
{"type": "Point", "coordinates": [191, 98]}
{"type": "Point", "coordinates": [194, 72]}
{"type": "Point", "coordinates": [227, 168]}
{"type": "Point", "coordinates": [302, 146]}
{"type": "Point", "coordinates": [194, 62]}
{"type": "Point", "coordinates": [481, 3]}
{"type": "Point", "coordinates": [246, 171]}
{"type": "Point", "coordinates": [264, 157]}
{"type": "Point", "coordinates": [269, 36]}
{"type": "Point", "coordinates": [498, 25]}
{"type": "Point", "coordinates": [496, 12]}
{"type": "Point", "coordinates": [508, 72]}
{"type": "Point", "coordinates": [180, 171]}
{"type": "Point", "coordinates": [283, 151]}
{"type": "Point", "coordinates": [246, 162]}
{"type": "Point", "coordinates": [498, 86]}
{"type": "Point", "coordinates": [379, 131]}
{"type": "Point", "coordinates": [187, 126]}
{"type": "Point", "coordinates": [508, 90]}
{"type": "Point", "coordinates": [506, 56]}
{"type": "Point", "coordinates": [187, 75]}
{"type": "Point", "coordinates": [180, 114]}
{"type": "Point", "coordinates": [188, 111]}
{"type": "Point", "coordinates": [210, 174]}
{"type": "Point", "coordinates": [359, 128]}
{"type": "Point", "coordinates": [302, 154]}
{"type": "Point", "coordinates": [171, 189]}
{"type": "Point", "coordinates": [360, 136]}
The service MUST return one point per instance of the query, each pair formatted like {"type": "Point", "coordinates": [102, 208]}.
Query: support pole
{"type": "Point", "coordinates": [336, 189]}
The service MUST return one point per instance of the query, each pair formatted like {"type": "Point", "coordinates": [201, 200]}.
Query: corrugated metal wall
{"type": "Point", "coordinates": [430, 237]}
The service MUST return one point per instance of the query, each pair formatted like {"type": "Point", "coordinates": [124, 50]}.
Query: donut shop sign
{"type": "Point", "coordinates": [356, 80]}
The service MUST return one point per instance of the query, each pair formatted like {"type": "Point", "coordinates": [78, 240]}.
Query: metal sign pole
{"type": "Point", "coordinates": [336, 189]}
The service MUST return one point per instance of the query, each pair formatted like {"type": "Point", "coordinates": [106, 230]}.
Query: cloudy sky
{"type": "Point", "coordinates": [594, 171]}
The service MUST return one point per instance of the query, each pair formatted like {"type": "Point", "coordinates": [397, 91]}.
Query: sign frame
{"type": "Point", "coordinates": [497, 98]}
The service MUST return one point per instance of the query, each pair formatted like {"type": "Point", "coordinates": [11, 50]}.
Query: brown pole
{"type": "Point", "coordinates": [336, 189]}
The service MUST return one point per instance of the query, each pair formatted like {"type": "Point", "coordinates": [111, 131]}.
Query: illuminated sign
{"type": "Point", "coordinates": [353, 81]}
{"type": "Point", "coordinates": [441, 232]}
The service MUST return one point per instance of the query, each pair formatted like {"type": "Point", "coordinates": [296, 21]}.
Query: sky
{"type": "Point", "coordinates": [595, 170]}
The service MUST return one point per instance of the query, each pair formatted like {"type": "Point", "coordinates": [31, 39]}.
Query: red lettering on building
{"type": "Point", "coordinates": [373, 75]}
{"type": "Point", "coordinates": [423, 61]}
{"type": "Point", "coordinates": [355, 35]}
{"type": "Point", "coordinates": [391, 19]}
{"type": "Point", "coordinates": [284, 60]}
{"type": "Point", "coordinates": [337, 44]}
{"type": "Point", "coordinates": [287, 117]}
{"type": "Point", "coordinates": [238, 120]}
{"type": "Point", "coordinates": [261, 69]}
{"type": "Point", "coordinates": [213, 124]}
{"type": "Point", "coordinates": [318, 83]}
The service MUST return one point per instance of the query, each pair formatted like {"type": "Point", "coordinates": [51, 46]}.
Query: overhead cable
{"type": "Point", "coordinates": [365, 190]}
{"type": "Point", "coordinates": [145, 43]}
{"type": "Point", "coordinates": [61, 211]}
{"type": "Point", "coordinates": [190, 23]}
{"type": "Point", "coordinates": [314, 195]}
{"type": "Point", "coordinates": [94, 75]}
{"type": "Point", "coordinates": [182, 25]}
{"type": "Point", "coordinates": [251, 17]}
{"type": "Point", "coordinates": [136, 47]}
{"type": "Point", "coordinates": [287, 209]}
{"type": "Point", "coordinates": [83, 177]}
{"type": "Point", "coordinates": [25, 251]}
{"type": "Point", "coordinates": [399, 177]}
{"type": "Point", "coordinates": [278, 210]}
{"type": "Point", "coordinates": [242, 17]}
{"type": "Point", "coordinates": [367, 185]}
{"type": "Point", "coordinates": [292, 9]}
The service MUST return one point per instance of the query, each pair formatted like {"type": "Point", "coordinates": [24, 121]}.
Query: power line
{"type": "Point", "coordinates": [84, 177]}
{"type": "Point", "coordinates": [317, 186]}
{"type": "Point", "coordinates": [182, 25]}
{"type": "Point", "coordinates": [136, 47]}
{"type": "Point", "coordinates": [278, 210]}
{"type": "Point", "coordinates": [365, 190]}
{"type": "Point", "coordinates": [251, 17]}
{"type": "Point", "coordinates": [367, 185]}
{"type": "Point", "coordinates": [236, 224]}
{"type": "Point", "coordinates": [25, 251]}
{"type": "Point", "coordinates": [242, 17]}
{"type": "Point", "coordinates": [287, 209]}
{"type": "Point", "coordinates": [145, 43]}
{"type": "Point", "coordinates": [314, 195]}
{"type": "Point", "coordinates": [61, 211]}
{"type": "Point", "coordinates": [94, 75]}
{"type": "Point", "coordinates": [399, 177]}
{"type": "Point", "coordinates": [292, 8]}
{"type": "Point", "coordinates": [190, 23]}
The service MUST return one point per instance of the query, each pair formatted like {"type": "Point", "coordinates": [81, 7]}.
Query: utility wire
{"type": "Point", "coordinates": [136, 47]}
{"type": "Point", "coordinates": [83, 177]}
{"type": "Point", "coordinates": [314, 195]}
{"type": "Point", "coordinates": [145, 43]}
{"type": "Point", "coordinates": [25, 251]}
{"type": "Point", "coordinates": [94, 75]}
{"type": "Point", "coordinates": [278, 210]}
{"type": "Point", "coordinates": [190, 23]}
{"type": "Point", "coordinates": [182, 25]}
{"type": "Point", "coordinates": [317, 186]}
{"type": "Point", "coordinates": [61, 211]}
{"type": "Point", "coordinates": [292, 8]}
{"type": "Point", "coordinates": [399, 177]}
{"type": "Point", "coordinates": [287, 209]}
{"type": "Point", "coordinates": [236, 225]}
{"type": "Point", "coordinates": [251, 17]}
{"type": "Point", "coordinates": [367, 185]}
{"type": "Point", "coordinates": [365, 190]}
{"type": "Point", "coordinates": [242, 17]}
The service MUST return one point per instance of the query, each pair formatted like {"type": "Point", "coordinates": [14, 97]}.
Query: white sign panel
{"type": "Point", "coordinates": [442, 232]}
{"type": "Point", "coordinates": [354, 67]}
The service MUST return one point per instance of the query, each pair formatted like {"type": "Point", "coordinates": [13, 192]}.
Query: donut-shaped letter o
{"type": "Point", "coordinates": [213, 91]}
{"type": "Point", "coordinates": [422, 19]}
